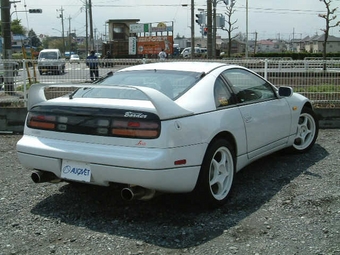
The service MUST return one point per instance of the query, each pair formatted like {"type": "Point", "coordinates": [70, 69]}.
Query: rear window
{"type": "Point", "coordinates": [171, 83]}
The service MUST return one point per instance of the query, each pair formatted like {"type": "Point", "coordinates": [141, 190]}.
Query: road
{"type": "Point", "coordinates": [74, 73]}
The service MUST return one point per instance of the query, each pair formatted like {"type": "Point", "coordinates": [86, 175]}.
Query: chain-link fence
{"type": "Point", "coordinates": [306, 76]}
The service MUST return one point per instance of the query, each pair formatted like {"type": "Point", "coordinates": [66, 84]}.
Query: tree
{"type": "Point", "coordinates": [53, 43]}
{"type": "Point", "coordinates": [34, 40]}
{"type": "Point", "coordinates": [17, 28]}
{"type": "Point", "coordinates": [230, 27]}
{"type": "Point", "coordinates": [329, 17]}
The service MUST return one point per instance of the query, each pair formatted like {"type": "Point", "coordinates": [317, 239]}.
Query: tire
{"type": "Point", "coordinates": [307, 131]}
{"type": "Point", "coordinates": [216, 176]}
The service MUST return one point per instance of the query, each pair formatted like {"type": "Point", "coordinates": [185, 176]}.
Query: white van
{"type": "Point", "coordinates": [50, 60]}
{"type": "Point", "coordinates": [186, 52]}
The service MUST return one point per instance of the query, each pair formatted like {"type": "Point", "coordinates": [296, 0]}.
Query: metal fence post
{"type": "Point", "coordinates": [265, 68]}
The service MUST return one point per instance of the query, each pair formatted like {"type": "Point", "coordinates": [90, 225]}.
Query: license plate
{"type": "Point", "coordinates": [75, 170]}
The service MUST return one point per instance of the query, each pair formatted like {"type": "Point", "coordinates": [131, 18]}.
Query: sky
{"type": "Point", "coordinates": [270, 19]}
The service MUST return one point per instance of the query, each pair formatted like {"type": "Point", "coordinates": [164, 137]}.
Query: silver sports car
{"type": "Point", "coordinates": [164, 127]}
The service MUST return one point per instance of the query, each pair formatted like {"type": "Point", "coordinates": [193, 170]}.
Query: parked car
{"type": "Point", "coordinates": [74, 59]}
{"type": "Point", "coordinates": [164, 127]}
{"type": "Point", "coordinates": [186, 52]}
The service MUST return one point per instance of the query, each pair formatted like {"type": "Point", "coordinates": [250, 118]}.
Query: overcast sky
{"type": "Point", "coordinates": [274, 19]}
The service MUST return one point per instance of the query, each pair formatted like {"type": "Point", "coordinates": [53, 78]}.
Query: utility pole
{"type": "Point", "coordinates": [91, 25]}
{"type": "Point", "coordinates": [214, 23]}
{"type": "Point", "coordinates": [7, 50]}
{"type": "Point", "coordinates": [87, 28]}
{"type": "Point", "coordinates": [255, 43]}
{"type": "Point", "coordinates": [214, 29]}
{"type": "Point", "coordinates": [61, 16]}
{"type": "Point", "coordinates": [209, 26]}
{"type": "Point", "coordinates": [192, 29]}
{"type": "Point", "coordinates": [95, 39]}
{"type": "Point", "coordinates": [246, 29]}
{"type": "Point", "coordinates": [69, 34]}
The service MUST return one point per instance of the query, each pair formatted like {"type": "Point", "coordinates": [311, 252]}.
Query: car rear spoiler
{"type": "Point", "coordinates": [165, 107]}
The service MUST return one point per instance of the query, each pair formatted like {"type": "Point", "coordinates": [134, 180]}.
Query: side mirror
{"type": "Point", "coordinates": [285, 91]}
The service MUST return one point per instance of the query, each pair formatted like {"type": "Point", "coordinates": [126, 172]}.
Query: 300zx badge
{"type": "Point", "coordinates": [135, 115]}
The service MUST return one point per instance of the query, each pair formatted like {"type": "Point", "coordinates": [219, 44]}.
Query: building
{"type": "Point", "coordinates": [314, 44]}
{"type": "Point", "coordinates": [237, 47]}
{"type": "Point", "coordinates": [18, 41]}
{"type": "Point", "coordinates": [118, 37]}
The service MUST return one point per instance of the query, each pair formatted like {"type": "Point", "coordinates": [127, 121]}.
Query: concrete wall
{"type": "Point", "coordinates": [13, 119]}
{"type": "Point", "coordinates": [328, 118]}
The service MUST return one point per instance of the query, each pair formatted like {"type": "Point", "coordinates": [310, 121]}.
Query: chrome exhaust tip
{"type": "Point", "coordinates": [137, 192]}
{"type": "Point", "coordinates": [42, 176]}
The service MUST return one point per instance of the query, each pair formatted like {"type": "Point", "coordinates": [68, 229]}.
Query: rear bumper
{"type": "Point", "coordinates": [147, 167]}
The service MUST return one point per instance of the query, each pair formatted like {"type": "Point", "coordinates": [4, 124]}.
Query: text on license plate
{"type": "Point", "coordinates": [75, 170]}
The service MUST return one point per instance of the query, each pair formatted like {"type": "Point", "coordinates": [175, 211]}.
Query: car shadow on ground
{"type": "Point", "coordinates": [174, 220]}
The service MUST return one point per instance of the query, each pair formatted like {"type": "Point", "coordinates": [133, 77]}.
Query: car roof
{"type": "Point", "coordinates": [200, 67]}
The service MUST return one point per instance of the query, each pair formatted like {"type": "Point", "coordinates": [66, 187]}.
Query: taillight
{"type": "Point", "coordinates": [135, 128]}
{"type": "Point", "coordinates": [91, 125]}
{"type": "Point", "coordinates": [41, 121]}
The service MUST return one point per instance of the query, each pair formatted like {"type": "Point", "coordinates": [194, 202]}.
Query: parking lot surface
{"type": "Point", "coordinates": [281, 204]}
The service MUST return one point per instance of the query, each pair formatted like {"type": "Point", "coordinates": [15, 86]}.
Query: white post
{"type": "Point", "coordinates": [25, 81]}
{"type": "Point", "coordinates": [246, 28]}
{"type": "Point", "coordinates": [266, 69]}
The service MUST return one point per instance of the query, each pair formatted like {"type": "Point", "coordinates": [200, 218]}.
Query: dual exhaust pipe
{"type": "Point", "coordinates": [128, 194]}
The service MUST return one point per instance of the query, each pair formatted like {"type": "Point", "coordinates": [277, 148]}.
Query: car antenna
{"type": "Point", "coordinates": [70, 96]}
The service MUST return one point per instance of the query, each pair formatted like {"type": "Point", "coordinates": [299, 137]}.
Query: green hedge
{"type": "Point", "coordinates": [295, 56]}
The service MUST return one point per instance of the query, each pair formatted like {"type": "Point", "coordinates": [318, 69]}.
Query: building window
{"type": "Point", "coordinates": [119, 32]}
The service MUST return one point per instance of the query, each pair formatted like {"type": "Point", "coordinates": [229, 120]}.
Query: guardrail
{"type": "Point", "coordinates": [305, 76]}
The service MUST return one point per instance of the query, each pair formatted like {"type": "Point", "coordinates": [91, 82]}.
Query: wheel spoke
{"type": "Point", "coordinates": [304, 130]}
{"type": "Point", "coordinates": [214, 172]}
{"type": "Point", "coordinates": [219, 173]}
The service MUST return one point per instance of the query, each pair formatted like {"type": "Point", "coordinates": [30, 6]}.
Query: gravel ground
{"type": "Point", "coordinates": [282, 204]}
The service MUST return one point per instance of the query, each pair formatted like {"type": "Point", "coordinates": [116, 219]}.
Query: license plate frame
{"type": "Point", "coordinates": [76, 170]}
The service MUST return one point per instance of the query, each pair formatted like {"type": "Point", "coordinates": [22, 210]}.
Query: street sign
{"type": "Point", "coordinates": [139, 28]}
{"type": "Point", "coordinates": [132, 45]}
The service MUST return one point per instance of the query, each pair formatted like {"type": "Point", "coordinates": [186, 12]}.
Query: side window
{"type": "Point", "coordinates": [248, 87]}
{"type": "Point", "coordinates": [221, 94]}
